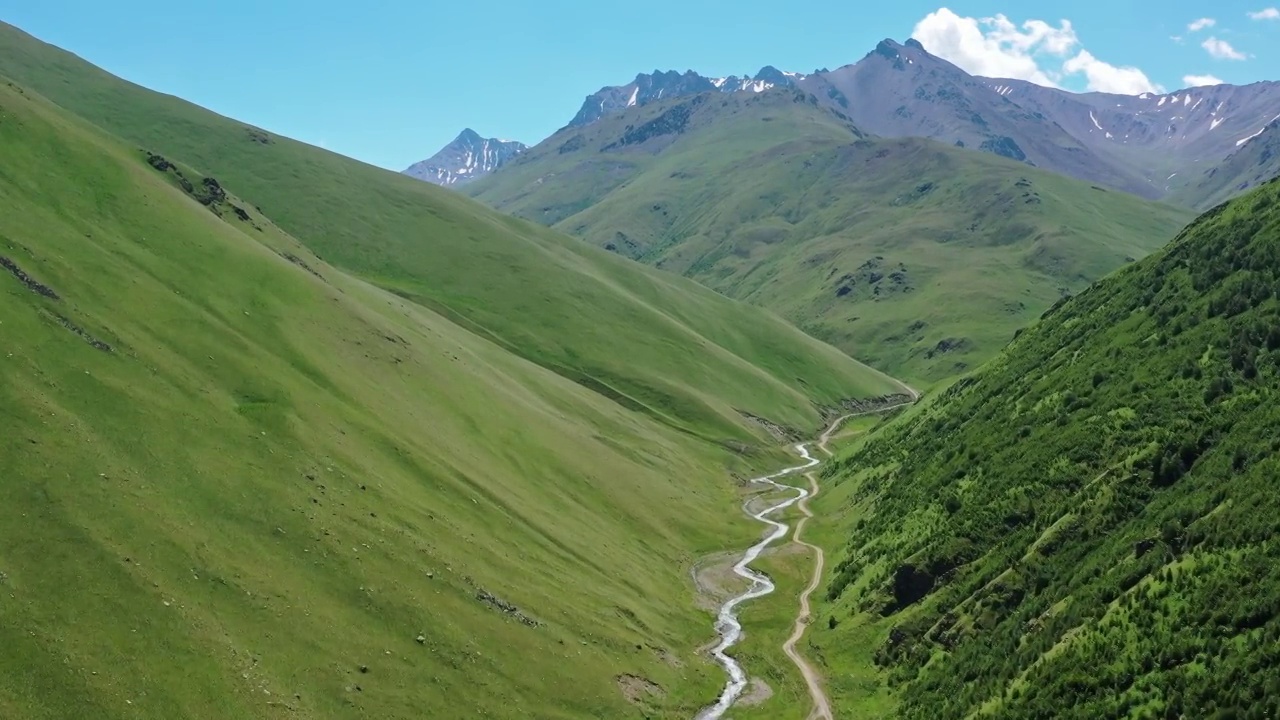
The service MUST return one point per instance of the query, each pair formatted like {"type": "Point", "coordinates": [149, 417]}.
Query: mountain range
{"type": "Point", "coordinates": [853, 186]}
{"type": "Point", "coordinates": [915, 255]}
{"type": "Point", "coordinates": [1186, 146]}
{"type": "Point", "coordinates": [1150, 145]}
{"type": "Point", "coordinates": [1175, 142]}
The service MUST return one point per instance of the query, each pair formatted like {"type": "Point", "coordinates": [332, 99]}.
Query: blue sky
{"type": "Point", "coordinates": [390, 81]}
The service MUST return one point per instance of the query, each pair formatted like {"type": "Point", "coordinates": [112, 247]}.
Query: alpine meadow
{"type": "Point", "coordinates": [888, 391]}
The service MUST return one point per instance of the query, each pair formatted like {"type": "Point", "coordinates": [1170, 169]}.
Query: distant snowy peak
{"type": "Point", "coordinates": [465, 159]}
{"type": "Point", "coordinates": [658, 85]}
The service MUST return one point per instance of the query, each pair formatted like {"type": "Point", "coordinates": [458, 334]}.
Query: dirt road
{"type": "Point", "coordinates": [821, 704]}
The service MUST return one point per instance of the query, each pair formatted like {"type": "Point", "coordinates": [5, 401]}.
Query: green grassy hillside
{"type": "Point", "coordinates": [237, 480]}
{"type": "Point", "coordinates": [915, 257]}
{"type": "Point", "coordinates": [647, 151]}
{"type": "Point", "coordinates": [1086, 526]}
{"type": "Point", "coordinates": [653, 341]}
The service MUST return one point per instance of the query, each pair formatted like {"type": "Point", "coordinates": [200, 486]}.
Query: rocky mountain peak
{"type": "Point", "coordinates": [468, 157]}
{"type": "Point", "coordinates": [661, 85]}
{"type": "Point", "coordinates": [771, 74]}
{"type": "Point", "coordinates": [888, 48]}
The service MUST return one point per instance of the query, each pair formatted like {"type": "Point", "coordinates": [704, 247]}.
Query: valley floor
{"type": "Point", "coordinates": [713, 574]}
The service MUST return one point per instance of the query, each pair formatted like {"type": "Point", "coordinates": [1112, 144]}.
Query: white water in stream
{"type": "Point", "coordinates": [727, 622]}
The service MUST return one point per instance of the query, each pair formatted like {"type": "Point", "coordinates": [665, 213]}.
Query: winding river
{"type": "Point", "coordinates": [727, 623]}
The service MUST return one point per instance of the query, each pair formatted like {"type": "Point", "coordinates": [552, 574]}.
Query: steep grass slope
{"type": "Point", "coordinates": [236, 481]}
{"type": "Point", "coordinates": [623, 329]}
{"type": "Point", "coordinates": [917, 258]}
{"type": "Point", "coordinates": [1086, 526]}
{"type": "Point", "coordinates": [649, 145]}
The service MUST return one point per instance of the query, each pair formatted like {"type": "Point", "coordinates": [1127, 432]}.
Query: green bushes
{"type": "Point", "coordinates": [1105, 491]}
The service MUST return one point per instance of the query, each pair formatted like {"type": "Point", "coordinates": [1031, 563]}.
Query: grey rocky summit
{"type": "Point", "coordinates": [1193, 146]}
{"type": "Point", "coordinates": [659, 85]}
{"type": "Point", "coordinates": [465, 159]}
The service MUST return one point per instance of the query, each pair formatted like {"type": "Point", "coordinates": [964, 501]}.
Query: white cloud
{"type": "Point", "coordinates": [1266, 14]}
{"type": "Point", "coordinates": [999, 50]}
{"type": "Point", "coordinates": [1104, 77]}
{"type": "Point", "coordinates": [1201, 24]}
{"type": "Point", "coordinates": [1035, 51]}
{"type": "Point", "coordinates": [1221, 49]}
{"type": "Point", "coordinates": [1201, 80]}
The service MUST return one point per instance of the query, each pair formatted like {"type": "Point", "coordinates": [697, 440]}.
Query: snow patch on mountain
{"type": "Point", "coordinates": [1242, 141]}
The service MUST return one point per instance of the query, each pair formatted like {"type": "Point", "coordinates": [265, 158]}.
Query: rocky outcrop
{"type": "Point", "coordinates": [867, 405]}
{"type": "Point", "coordinates": [672, 122]}
{"type": "Point", "coordinates": [505, 607]}
{"type": "Point", "coordinates": [780, 432]}
{"type": "Point", "coordinates": [31, 283]}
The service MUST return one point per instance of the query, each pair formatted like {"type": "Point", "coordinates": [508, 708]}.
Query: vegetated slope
{"type": "Point", "coordinates": [654, 342]}
{"type": "Point", "coordinates": [1086, 526]}
{"type": "Point", "coordinates": [579, 166]}
{"type": "Point", "coordinates": [238, 482]}
{"type": "Point", "coordinates": [915, 257]}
